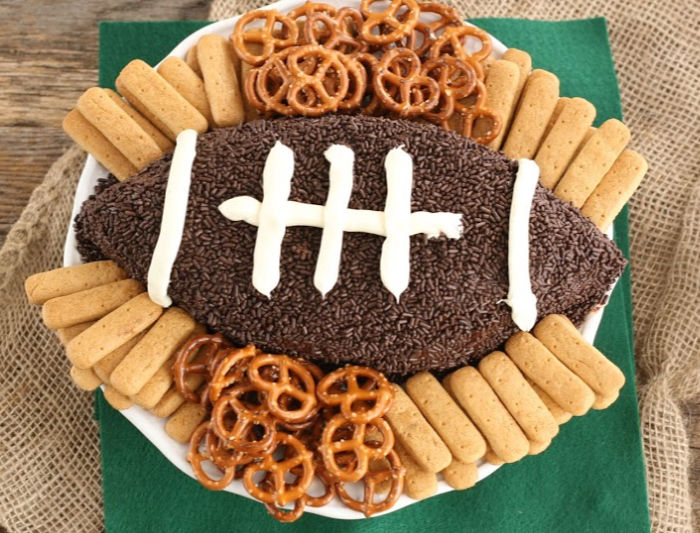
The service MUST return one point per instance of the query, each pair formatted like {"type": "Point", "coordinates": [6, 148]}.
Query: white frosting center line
{"type": "Point", "coordinates": [342, 159]}
{"type": "Point", "coordinates": [521, 299]}
{"type": "Point", "coordinates": [395, 261]}
{"type": "Point", "coordinates": [272, 219]}
{"type": "Point", "coordinates": [173, 222]}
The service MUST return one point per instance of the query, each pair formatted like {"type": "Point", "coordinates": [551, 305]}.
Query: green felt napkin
{"type": "Point", "coordinates": [590, 479]}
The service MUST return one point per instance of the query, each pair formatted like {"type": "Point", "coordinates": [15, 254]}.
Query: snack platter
{"type": "Point", "coordinates": [215, 360]}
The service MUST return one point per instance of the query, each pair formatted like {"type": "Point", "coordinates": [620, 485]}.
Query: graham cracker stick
{"type": "Point", "coordinates": [250, 112]}
{"type": "Point", "coordinates": [615, 189]}
{"type": "Point", "coordinates": [539, 97]}
{"type": "Point", "coordinates": [191, 60]}
{"type": "Point", "coordinates": [88, 305]}
{"type": "Point", "coordinates": [172, 399]}
{"type": "Point", "coordinates": [562, 141]}
{"type": "Point", "coordinates": [495, 423]}
{"type": "Point", "coordinates": [90, 139]}
{"type": "Point", "coordinates": [158, 101]}
{"type": "Point", "coordinates": [154, 133]}
{"type": "Point", "coordinates": [156, 387]}
{"type": "Point", "coordinates": [113, 330]}
{"type": "Point", "coordinates": [67, 280]}
{"type": "Point", "coordinates": [460, 476]}
{"type": "Point", "coordinates": [85, 379]}
{"type": "Point", "coordinates": [184, 421]}
{"type": "Point", "coordinates": [186, 81]}
{"type": "Point", "coordinates": [560, 415]}
{"type": "Point", "coordinates": [65, 335]}
{"type": "Point", "coordinates": [104, 367]}
{"type": "Point", "coordinates": [522, 402]}
{"type": "Point", "coordinates": [501, 90]}
{"type": "Point", "coordinates": [592, 162]}
{"type": "Point", "coordinates": [116, 399]}
{"type": "Point", "coordinates": [562, 338]}
{"type": "Point", "coordinates": [524, 62]}
{"type": "Point", "coordinates": [219, 65]}
{"type": "Point", "coordinates": [119, 128]}
{"type": "Point", "coordinates": [537, 448]}
{"type": "Point", "coordinates": [451, 423]}
{"type": "Point", "coordinates": [539, 364]}
{"type": "Point", "coordinates": [419, 483]}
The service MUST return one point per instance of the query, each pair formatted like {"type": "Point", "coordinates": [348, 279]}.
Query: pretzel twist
{"type": "Point", "coordinates": [342, 388]}
{"type": "Point", "coordinates": [400, 24]}
{"type": "Point", "coordinates": [270, 38]}
{"type": "Point", "coordinates": [195, 357]}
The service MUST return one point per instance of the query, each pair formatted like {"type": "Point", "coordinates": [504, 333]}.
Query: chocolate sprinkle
{"type": "Point", "coordinates": [452, 312]}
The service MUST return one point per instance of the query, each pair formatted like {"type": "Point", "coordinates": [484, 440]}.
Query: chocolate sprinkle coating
{"type": "Point", "coordinates": [452, 312]}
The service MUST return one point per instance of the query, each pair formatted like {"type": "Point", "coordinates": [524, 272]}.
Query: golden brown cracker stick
{"type": "Point", "coordinates": [562, 141]}
{"type": "Point", "coordinates": [419, 483]}
{"type": "Point", "coordinates": [501, 89]}
{"type": "Point", "coordinates": [84, 379]}
{"type": "Point", "coordinates": [593, 161]}
{"type": "Point", "coordinates": [113, 330]}
{"type": "Point", "coordinates": [562, 338]}
{"type": "Point", "coordinates": [461, 476]}
{"type": "Point", "coordinates": [561, 102]}
{"type": "Point", "coordinates": [539, 97]}
{"type": "Point", "coordinates": [220, 72]}
{"type": "Point", "coordinates": [560, 415]}
{"type": "Point", "coordinates": [104, 367]}
{"type": "Point", "coordinates": [65, 335]}
{"type": "Point", "coordinates": [158, 101]}
{"type": "Point", "coordinates": [615, 189]}
{"type": "Point", "coordinates": [192, 61]}
{"type": "Point", "coordinates": [184, 421]}
{"type": "Point", "coordinates": [88, 305]}
{"type": "Point", "coordinates": [539, 364]}
{"type": "Point", "coordinates": [537, 448]}
{"type": "Point", "coordinates": [116, 399]}
{"type": "Point", "coordinates": [524, 64]}
{"type": "Point", "coordinates": [522, 402]}
{"type": "Point", "coordinates": [416, 434]}
{"type": "Point", "coordinates": [491, 458]}
{"type": "Point", "coordinates": [498, 427]}
{"type": "Point", "coordinates": [172, 399]}
{"type": "Point", "coordinates": [119, 128]}
{"type": "Point", "coordinates": [156, 387]}
{"type": "Point", "coordinates": [90, 139]}
{"type": "Point", "coordinates": [44, 286]}
{"type": "Point", "coordinates": [186, 81]}
{"type": "Point", "coordinates": [448, 420]}
{"type": "Point", "coordinates": [157, 346]}
{"type": "Point", "coordinates": [154, 133]}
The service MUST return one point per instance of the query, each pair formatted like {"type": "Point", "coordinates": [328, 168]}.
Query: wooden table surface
{"type": "Point", "coordinates": [46, 62]}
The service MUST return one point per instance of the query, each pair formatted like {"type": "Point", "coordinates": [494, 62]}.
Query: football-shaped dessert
{"type": "Point", "coordinates": [452, 311]}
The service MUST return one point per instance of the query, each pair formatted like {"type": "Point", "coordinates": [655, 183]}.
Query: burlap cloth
{"type": "Point", "coordinates": [49, 449]}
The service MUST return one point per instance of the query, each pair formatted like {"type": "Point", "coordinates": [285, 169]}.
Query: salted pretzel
{"type": "Point", "coordinates": [230, 370]}
{"type": "Point", "coordinates": [454, 40]}
{"type": "Point", "coordinates": [457, 79]}
{"type": "Point", "coordinates": [278, 491]}
{"type": "Point", "coordinates": [308, 94]}
{"type": "Point", "coordinates": [357, 83]}
{"type": "Point", "coordinates": [401, 87]}
{"type": "Point", "coordinates": [384, 27]}
{"type": "Point", "coordinates": [424, 34]}
{"type": "Point", "coordinates": [370, 102]}
{"type": "Point", "coordinates": [336, 32]}
{"type": "Point", "coordinates": [307, 8]}
{"type": "Point", "coordinates": [478, 110]}
{"type": "Point", "coordinates": [195, 357]}
{"type": "Point", "coordinates": [270, 37]}
{"type": "Point", "coordinates": [335, 443]}
{"type": "Point", "coordinates": [249, 432]}
{"type": "Point", "coordinates": [223, 455]}
{"type": "Point", "coordinates": [198, 454]}
{"type": "Point", "coordinates": [352, 385]}
{"type": "Point", "coordinates": [394, 472]}
{"type": "Point", "coordinates": [285, 385]}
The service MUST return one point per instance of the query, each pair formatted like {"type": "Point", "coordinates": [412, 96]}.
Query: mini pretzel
{"type": "Point", "coordinates": [270, 38]}
{"type": "Point", "coordinates": [277, 490]}
{"type": "Point", "coordinates": [223, 455]}
{"type": "Point", "coordinates": [308, 8]}
{"type": "Point", "coordinates": [428, 31]}
{"type": "Point", "coordinates": [401, 24]}
{"type": "Point", "coordinates": [342, 388]}
{"type": "Point", "coordinates": [456, 78]}
{"type": "Point", "coordinates": [357, 77]}
{"type": "Point", "coordinates": [230, 370]}
{"type": "Point", "coordinates": [394, 472]}
{"type": "Point", "coordinates": [194, 358]}
{"type": "Point", "coordinates": [267, 86]}
{"type": "Point", "coordinates": [470, 113]}
{"type": "Point", "coordinates": [304, 392]}
{"type": "Point", "coordinates": [452, 39]}
{"type": "Point", "coordinates": [415, 94]}
{"type": "Point", "coordinates": [308, 94]}
{"type": "Point", "coordinates": [335, 33]}
{"type": "Point", "coordinates": [242, 434]}
{"type": "Point", "coordinates": [196, 456]}
{"type": "Point", "coordinates": [334, 445]}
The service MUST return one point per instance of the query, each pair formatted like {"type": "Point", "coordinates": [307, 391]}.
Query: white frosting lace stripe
{"type": "Point", "coordinates": [173, 222]}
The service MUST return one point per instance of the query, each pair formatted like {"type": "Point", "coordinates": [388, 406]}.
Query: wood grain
{"type": "Point", "coordinates": [46, 62]}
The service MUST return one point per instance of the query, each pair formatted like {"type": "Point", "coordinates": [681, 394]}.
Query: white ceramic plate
{"type": "Point", "coordinates": [151, 426]}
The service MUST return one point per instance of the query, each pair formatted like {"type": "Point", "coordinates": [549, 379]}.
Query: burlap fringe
{"type": "Point", "coordinates": [49, 456]}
